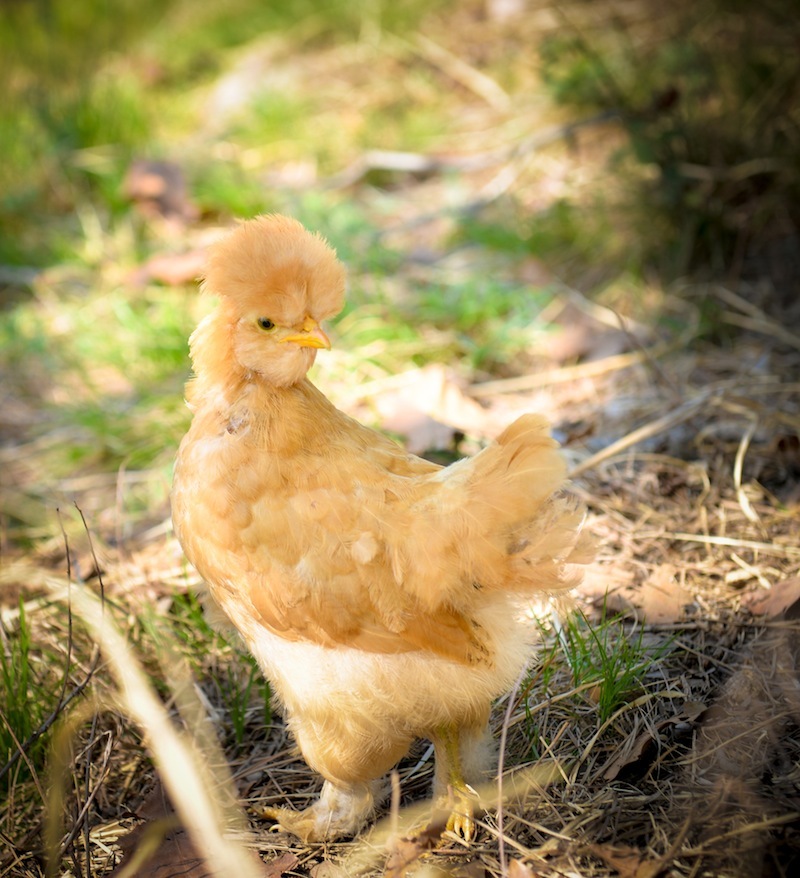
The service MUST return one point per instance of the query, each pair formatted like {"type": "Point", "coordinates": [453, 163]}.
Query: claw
{"type": "Point", "coordinates": [461, 804]}
{"type": "Point", "coordinates": [338, 812]}
{"type": "Point", "coordinates": [303, 824]}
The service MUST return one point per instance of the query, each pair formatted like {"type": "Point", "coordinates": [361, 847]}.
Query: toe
{"type": "Point", "coordinates": [299, 823]}
{"type": "Point", "coordinates": [460, 806]}
{"type": "Point", "coordinates": [461, 820]}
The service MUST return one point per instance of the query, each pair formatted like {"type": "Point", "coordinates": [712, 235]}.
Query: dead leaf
{"type": "Point", "coordinates": [430, 406]}
{"type": "Point", "coordinates": [283, 864]}
{"type": "Point", "coordinates": [420, 432]}
{"type": "Point", "coordinates": [776, 602]}
{"type": "Point", "coordinates": [161, 848]}
{"type": "Point", "coordinates": [607, 590]}
{"type": "Point", "coordinates": [158, 188]}
{"type": "Point", "coordinates": [518, 869]}
{"type": "Point", "coordinates": [627, 862]}
{"type": "Point", "coordinates": [630, 756]}
{"type": "Point", "coordinates": [661, 598]}
{"type": "Point", "coordinates": [328, 870]}
{"type": "Point", "coordinates": [172, 269]}
{"type": "Point", "coordinates": [689, 714]}
{"type": "Point", "coordinates": [583, 331]}
{"type": "Point", "coordinates": [404, 852]}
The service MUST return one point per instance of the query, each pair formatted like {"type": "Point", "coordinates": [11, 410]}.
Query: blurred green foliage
{"type": "Point", "coordinates": [67, 89]}
{"type": "Point", "coordinates": [89, 85]}
{"type": "Point", "coordinates": [708, 93]}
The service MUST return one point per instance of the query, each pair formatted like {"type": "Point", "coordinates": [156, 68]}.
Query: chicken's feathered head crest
{"type": "Point", "coordinates": [276, 282]}
{"type": "Point", "coordinates": [272, 265]}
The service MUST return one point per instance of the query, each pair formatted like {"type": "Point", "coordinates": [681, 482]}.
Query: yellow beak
{"type": "Point", "coordinates": [312, 336]}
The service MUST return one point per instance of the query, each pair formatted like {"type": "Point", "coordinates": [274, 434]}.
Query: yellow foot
{"type": "Point", "coordinates": [338, 812]}
{"type": "Point", "coordinates": [303, 824]}
{"type": "Point", "coordinates": [461, 804]}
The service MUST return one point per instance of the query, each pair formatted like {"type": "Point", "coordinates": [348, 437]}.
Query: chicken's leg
{"type": "Point", "coordinates": [352, 764]}
{"type": "Point", "coordinates": [459, 797]}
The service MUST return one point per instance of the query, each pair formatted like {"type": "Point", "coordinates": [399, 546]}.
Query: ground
{"type": "Point", "coordinates": [656, 731]}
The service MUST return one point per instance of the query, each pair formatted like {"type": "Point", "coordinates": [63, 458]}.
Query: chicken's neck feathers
{"type": "Point", "coordinates": [240, 398]}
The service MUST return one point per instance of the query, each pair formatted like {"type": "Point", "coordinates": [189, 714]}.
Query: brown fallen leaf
{"type": "Point", "coordinates": [627, 862]}
{"type": "Point", "coordinates": [430, 406]}
{"type": "Point", "coordinates": [327, 869]}
{"type": "Point", "coordinates": [174, 269]}
{"type": "Point", "coordinates": [161, 848]}
{"type": "Point", "coordinates": [661, 597]}
{"type": "Point", "coordinates": [159, 189]}
{"type": "Point", "coordinates": [628, 756]}
{"type": "Point", "coordinates": [280, 866]}
{"type": "Point", "coordinates": [777, 601]}
{"type": "Point", "coordinates": [405, 852]}
{"type": "Point", "coordinates": [577, 334]}
{"type": "Point", "coordinates": [518, 869]}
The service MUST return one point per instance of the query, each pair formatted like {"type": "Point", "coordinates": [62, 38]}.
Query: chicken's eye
{"type": "Point", "coordinates": [265, 323]}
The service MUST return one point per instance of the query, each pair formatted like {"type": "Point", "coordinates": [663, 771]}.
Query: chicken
{"type": "Point", "coordinates": [379, 592]}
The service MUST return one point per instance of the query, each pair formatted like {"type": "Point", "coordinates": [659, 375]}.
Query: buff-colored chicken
{"type": "Point", "coordinates": [379, 593]}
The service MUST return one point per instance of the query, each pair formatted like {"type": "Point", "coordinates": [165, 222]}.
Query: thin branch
{"type": "Point", "coordinates": [647, 431]}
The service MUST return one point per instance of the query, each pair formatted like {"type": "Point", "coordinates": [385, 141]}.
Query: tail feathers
{"type": "Point", "coordinates": [550, 552]}
{"type": "Point", "coordinates": [500, 521]}
{"type": "Point", "coordinates": [537, 528]}
{"type": "Point", "coordinates": [543, 555]}
{"type": "Point", "coordinates": [511, 478]}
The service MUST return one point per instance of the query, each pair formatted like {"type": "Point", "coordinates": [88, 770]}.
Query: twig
{"type": "Point", "coordinates": [678, 416]}
{"type": "Point", "coordinates": [421, 163]}
{"type": "Point", "coordinates": [750, 571]}
{"type": "Point", "coordinates": [650, 362]}
{"type": "Point", "coordinates": [394, 810]}
{"type": "Point", "coordinates": [501, 851]}
{"type": "Point", "coordinates": [768, 548]}
{"type": "Point", "coordinates": [631, 705]}
{"type": "Point", "coordinates": [83, 816]}
{"type": "Point", "coordinates": [94, 559]}
{"type": "Point", "coordinates": [763, 326]}
{"type": "Point", "coordinates": [565, 374]}
{"type": "Point", "coordinates": [81, 820]}
{"type": "Point", "coordinates": [734, 173]}
{"type": "Point", "coordinates": [465, 74]}
{"type": "Point", "coordinates": [63, 700]}
{"type": "Point", "coordinates": [20, 751]}
{"type": "Point", "coordinates": [609, 317]}
{"type": "Point", "coordinates": [34, 736]}
{"type": "Point", "coordinates": [757, 827]}
{"type": "Point", "coordinates": [69, 606]}
{"type": "Point", "coordinates": [187, 778]}
{"type": "Point", "coordinates": [738, 466]}
{"type": "Point", "coordinates": [760, 322]}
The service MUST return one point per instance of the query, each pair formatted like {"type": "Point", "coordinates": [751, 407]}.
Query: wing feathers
{"type": "Point", "coordinates": [413, 553]}
{"type": "Point", "coordinates": [382, 551]}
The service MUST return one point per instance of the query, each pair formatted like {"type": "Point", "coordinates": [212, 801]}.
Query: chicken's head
{"type": "Point", "coordinates": [277, 282]}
